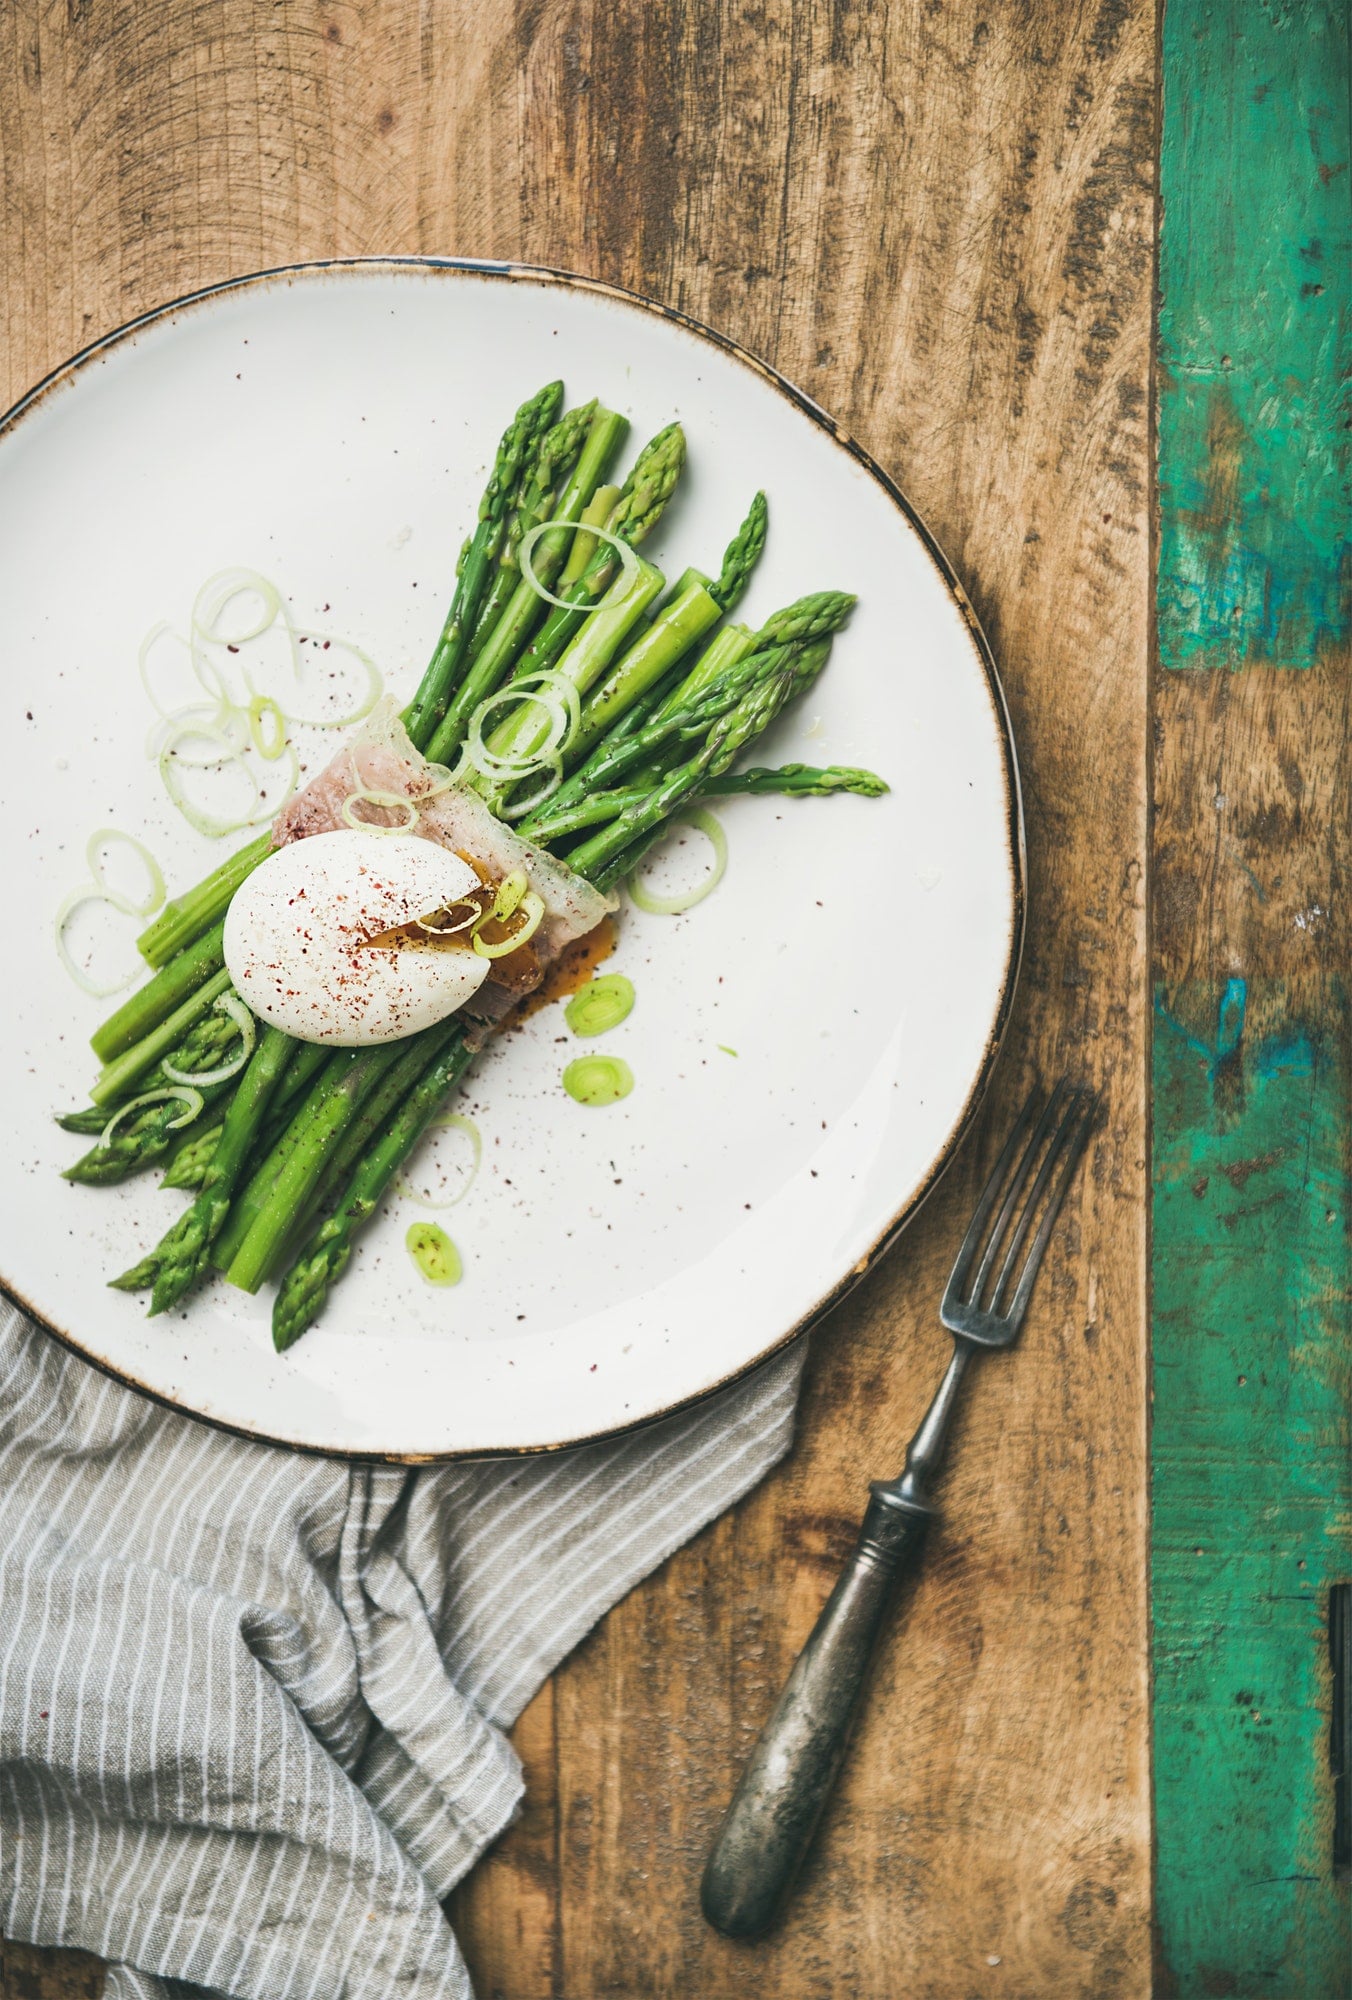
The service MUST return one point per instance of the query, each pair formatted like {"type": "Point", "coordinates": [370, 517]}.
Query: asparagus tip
{"type": "Point", "coordinates": [138, 1279]}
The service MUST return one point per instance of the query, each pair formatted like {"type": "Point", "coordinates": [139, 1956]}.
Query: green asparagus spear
{"type": "Point", "coordinates": [325, 1122]}
{"type": "Point", "coordinates": [86, 1122]}
{"type": "Point", "coordinates": [599, 769]}
{"type": "Point", "coordinates": [121, 1077]}
{"type": "Point", "coordinates": [182, 1254]}
{"type": "Point", "coordinates": [301, 1071]}
{"type": "Point", "coordinates": [375, 1111]}
{"type": "Point", "coordinates": [812, 617]}
{"type": "Point", "coordinates": [558, 453]}
{"type": "Point", "coordinates": [139, 1141]}
{"type": "Point", "coordinates": [209, 1043]}
{"type": "Point", "coordinates": [595, 515]}
{"type": "Point", "coordinates": [138, 1279]}
{"type": "Point", "coordinates": [633, 756]}
{"type": "Point", "coordinates": [680, 619]}
{"type": "Point", "coordinates": [191, 1157]}
{"type": "Point", "coordinates": [801, 663]}
{"type": "Point", "coordinates": [580, 643]}
{"type": "Point", "coordinates": [800, 781]}
{"type": "Point", "coordinates": [314, 1273]}
{"type": "Point", "coordinates": [685, 581]}
{"type": "Point", "coordinates": [519, 618]}
{"type": "Point", "coordinates": [184, 919]}
{"type": "Point", "coordinates": [144, 1136]}
{"type": "Point", "coordinates": [375, 1114]}
{"type": "Point", "coordinates": [269, 1160]}
{"type": "Point", "coordinates": [729, 666]}
{"type": "Point", "coordinates": [663, 645]}
{"type": "Point", "coordinates": [157, 999]}
{"type": "Point", "coordinates": [516, 456]}
{"type": "Point", "coordinates": [635, 514]}
{"type": "Point", "coordinates": [742, 554]}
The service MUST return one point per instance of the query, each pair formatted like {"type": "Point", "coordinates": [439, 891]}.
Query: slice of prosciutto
{"type": "Point", "coordinates": [380, 760]}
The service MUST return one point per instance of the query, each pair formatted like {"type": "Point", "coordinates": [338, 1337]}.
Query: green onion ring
{"type": "Point", "coordinates": [600, 1005]}
{"type": "Point", "coordinates": [152, 638]}
{"type": "Point", "coordinates": [192, 1098]}
{"type": "Point", "coordinates": [388, 801]}
{"type": "Point", "coordinates": [534, 910]}
{"type": "Point", "coordinates": [230, 584]}
{"type": "Point", "coordinates": [268, 748]}
{"type": "Point", "coordinates": [375, 680]}
{"type": "Point", "coordinates": [674, 906]}
{"type": "Point", "coordinates": [231, 1004]}
{"type": "Point", "coordinates": [206, 823]}
{"type": "Point", "coordinates": [456, 1121]}
{"type": "Point", "coordinates": [598, 1080]}
{"type": "Point", "coordinates": [434, 1253]}
{"type": "Point", "coordinates": [629, 564]}
{"type": "Point", "coordinates": [151, 901]}
{"type": "Point", "coordinates": [97, 990]}
{"type": "Point", "coordinates": [552, 768]}
{"type": "Point", "coordinates": [511, 889]}
{"type": "Point", "coordinates": [225, 725]}
{"type": "Point", "coordinates": [557, 699]}
{"type": "Point", "coordinates": [467, 922]}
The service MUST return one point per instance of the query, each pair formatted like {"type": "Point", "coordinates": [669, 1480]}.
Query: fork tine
{"type": "Point", "coordinates": [1051, 1110]}
{"type": "Point", "coordinates": [1070, 1104]}
{"type": "Point", "coordinates": [1073, 1148]}
{"type": "Point", "coordinates": [971, 1242]}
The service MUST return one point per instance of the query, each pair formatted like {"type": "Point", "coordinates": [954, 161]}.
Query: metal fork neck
{"type": "Point", "coordinates": [911, 1492]}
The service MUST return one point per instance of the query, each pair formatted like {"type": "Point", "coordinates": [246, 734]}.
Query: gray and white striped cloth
{"type": "Point", "coordinates": [252, 1705]}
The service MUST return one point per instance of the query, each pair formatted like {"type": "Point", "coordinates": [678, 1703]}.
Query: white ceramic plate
{"type": "Point", "coordinates": [331, 426]}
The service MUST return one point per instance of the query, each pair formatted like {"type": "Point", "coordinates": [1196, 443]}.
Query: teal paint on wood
{"type": "Point", "coordinates": [1255, 332]}
{"type": "Point", "coordinates": [1251, 1492]}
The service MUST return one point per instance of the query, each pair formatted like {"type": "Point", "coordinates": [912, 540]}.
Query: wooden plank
{"type": "Point", "coordinates": [939, 221]}
{"type": "Point", "coordinates": [506, 1916]}
{"type": "Point", "coordinates": [1252, 1459]}
{"type": "Point", "coordinates": [28, 1973]}
{"type": "Point", "coordinates": [1252, 1445]}
{"type": "Point", "coordinates": [1254, 332]}
{"type": "Point", "coordinates": [1252, 1504]}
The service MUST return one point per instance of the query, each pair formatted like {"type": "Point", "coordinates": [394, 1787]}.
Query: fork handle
{"type": "Point", "coordinates": [788, 1778]}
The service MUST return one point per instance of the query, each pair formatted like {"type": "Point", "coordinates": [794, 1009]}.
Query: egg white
{"type": "Point", "coordinates": [296, 931]}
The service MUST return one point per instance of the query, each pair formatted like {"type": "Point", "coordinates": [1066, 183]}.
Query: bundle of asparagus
{"type": "Point", "coordinates": [290, 1154]}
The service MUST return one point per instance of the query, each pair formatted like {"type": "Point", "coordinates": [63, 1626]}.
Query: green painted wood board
{"type": "Point", "coordinates": [1255, 335]}
{"type": "Point", "coordinates": [1251, 1493]}
{"type": "Point", "coordinates": [1251, 1268]}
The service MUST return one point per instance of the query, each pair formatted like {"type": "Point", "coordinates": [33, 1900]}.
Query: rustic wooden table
{"type": "Point", "coordinates": [941, 221]}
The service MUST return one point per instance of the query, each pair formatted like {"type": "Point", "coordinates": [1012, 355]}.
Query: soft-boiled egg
{"type": "Point", "coordinates": [297, 938]}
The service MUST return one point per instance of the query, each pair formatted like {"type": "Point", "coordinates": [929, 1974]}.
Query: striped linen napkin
{"type": "Point", "coordinates": [252, 1704]}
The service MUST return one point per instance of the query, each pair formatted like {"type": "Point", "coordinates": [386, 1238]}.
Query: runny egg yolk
{"type": "Point", "coordinates": [298, 938]}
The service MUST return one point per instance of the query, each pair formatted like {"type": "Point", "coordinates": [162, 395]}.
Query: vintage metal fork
{"type": "Point", "coordinates": [785, 1786]}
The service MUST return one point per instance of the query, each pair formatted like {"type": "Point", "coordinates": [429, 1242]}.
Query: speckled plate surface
{"type": "Point", "coordinates": [807, 1044]}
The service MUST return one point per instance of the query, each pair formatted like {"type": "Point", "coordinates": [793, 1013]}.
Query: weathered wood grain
{"type": "Point", "coordinates": [938, 219]}
{"type": "Point", "coordinates": [1252, 1299]}
{"type": "Point", "coordinates": [1255, 347]}
{"type": "Point", "coordinates": [1252, 1110]}
{"type": "Point", "coordinates": [28, 1973]}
